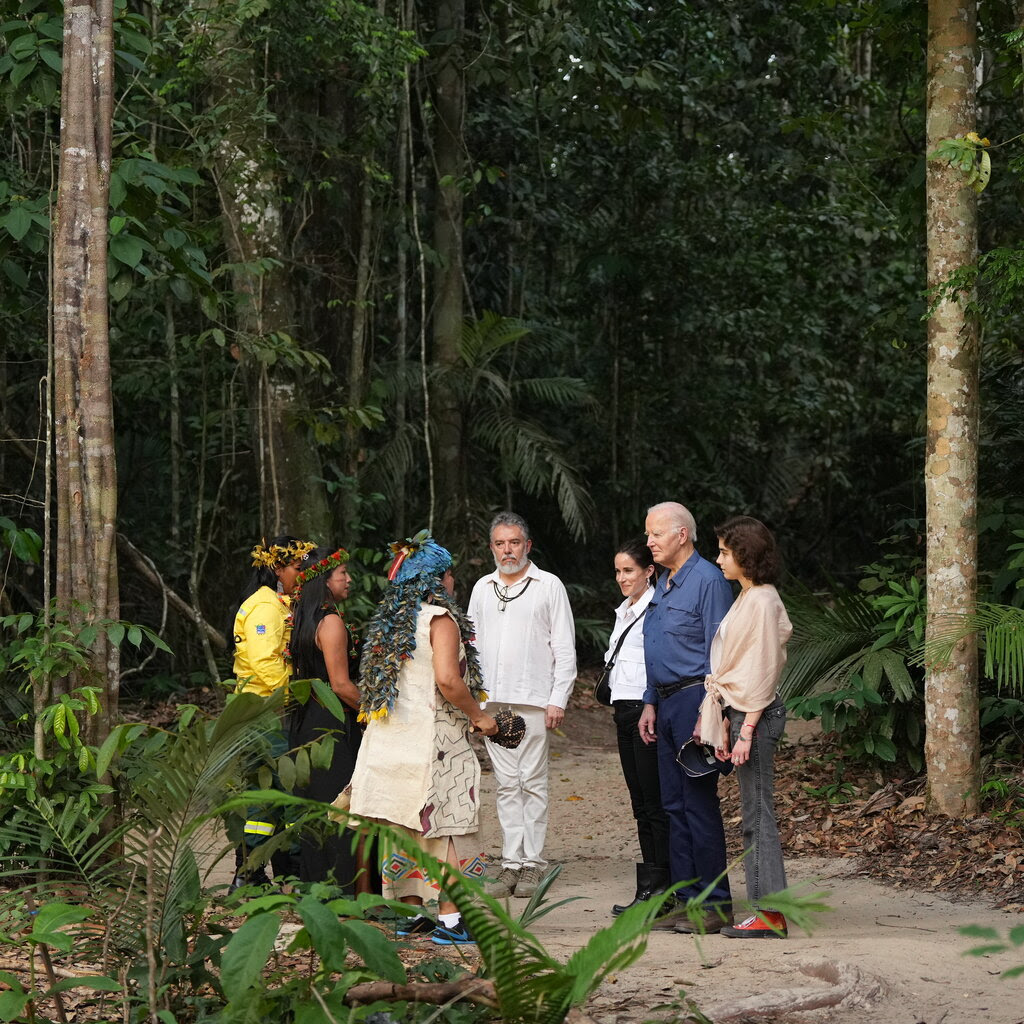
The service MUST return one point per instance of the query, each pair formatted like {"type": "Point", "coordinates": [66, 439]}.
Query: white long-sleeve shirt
{"type": "Point", "coordinates": [629, 676]}
{"type": "Point", "coordinates": [528, 651]}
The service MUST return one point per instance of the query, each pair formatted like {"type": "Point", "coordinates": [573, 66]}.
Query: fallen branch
{"type": "Point", "coordinates": [474, 990]}
{"type": "Point", "coordinates": [148, 571]}
{"type": "Point", "coordinates": [61, 972]}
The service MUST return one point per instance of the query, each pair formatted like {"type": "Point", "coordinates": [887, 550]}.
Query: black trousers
{"type": "Point", "coordinates": [640, 770]}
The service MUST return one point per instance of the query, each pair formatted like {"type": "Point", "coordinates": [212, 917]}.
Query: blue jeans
{"type": "Point", "coordinates": [765, 872]}
{"type": "Point", "coordinates": [696, 835]}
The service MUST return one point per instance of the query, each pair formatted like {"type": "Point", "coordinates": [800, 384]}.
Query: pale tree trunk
{"type": "Point", "coordinates": [86, 491]}
{"type": "Point", "coordinates": [292, 500]}
{"type": "Point", "coordinates": [288, 469]}
{"type": "Point", "coordinates": [951, 460]}
{"type": "Point", "coordinates": [450, 167]}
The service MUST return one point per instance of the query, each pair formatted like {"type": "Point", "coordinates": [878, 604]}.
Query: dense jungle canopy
{"type": "Point", "coordinates": [374, 265]}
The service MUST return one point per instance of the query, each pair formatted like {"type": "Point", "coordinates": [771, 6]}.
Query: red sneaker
{"type": "Point", "coordinates": [764, 924]}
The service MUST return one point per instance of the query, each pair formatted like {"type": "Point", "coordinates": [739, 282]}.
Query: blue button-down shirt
{"type": "Point", "coordinates": [681, 622]}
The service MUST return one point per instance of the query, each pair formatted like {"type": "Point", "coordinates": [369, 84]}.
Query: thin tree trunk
{"type": "Point", "coordinates": [951, 460]}
{"type": "Point", "coordinates": [398, 513]}
{"type": "Point", "coordinates": [174, 408]}
{"type": "Point", "coordinates": [86, 570]}
{"type": "Point", "coordinates": [449, 108]}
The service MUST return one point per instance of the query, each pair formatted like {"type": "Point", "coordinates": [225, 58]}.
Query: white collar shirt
{"type": "Point", "coordinates": [629, 676]}
{"type": "Point", "coordinates": [528, 650]}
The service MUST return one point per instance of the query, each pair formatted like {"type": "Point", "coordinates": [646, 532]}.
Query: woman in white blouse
{"type": "Point", "coordinates": [634, 573]}
{"type": "Point", "coordinates": [747, 655]}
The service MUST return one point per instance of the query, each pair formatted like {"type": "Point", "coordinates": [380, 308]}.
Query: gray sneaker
{"type": "Point", "coordinates": [529, 879]}
{"type": "Point", "coordinates": [505, 884]}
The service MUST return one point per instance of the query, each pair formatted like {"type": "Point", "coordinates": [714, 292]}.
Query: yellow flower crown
{"type": "Point", "coordinates": [278, 555]}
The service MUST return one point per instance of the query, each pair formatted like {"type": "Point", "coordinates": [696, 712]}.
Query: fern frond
{"type": "Point", "coordinates": [829, 641]}
{"type": "Point", "coordinates": [1000, 629]}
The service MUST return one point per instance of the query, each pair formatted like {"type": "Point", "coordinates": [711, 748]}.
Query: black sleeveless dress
{"type": "Point", "coordinates": [325, 858]}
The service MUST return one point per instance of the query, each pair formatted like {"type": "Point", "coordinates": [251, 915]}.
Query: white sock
{"type": "Point", "coordinates": [450, 920]}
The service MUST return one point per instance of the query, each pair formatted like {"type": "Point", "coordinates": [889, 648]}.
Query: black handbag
{"type": "Point", "coordinates": [603, 686]}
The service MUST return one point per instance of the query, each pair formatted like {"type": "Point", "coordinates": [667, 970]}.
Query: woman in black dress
{"type": "Point", "coordinates": [320, 650]}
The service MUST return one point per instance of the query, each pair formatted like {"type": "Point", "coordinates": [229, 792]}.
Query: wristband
{"type": "Point", "coordinates": [746, 725]}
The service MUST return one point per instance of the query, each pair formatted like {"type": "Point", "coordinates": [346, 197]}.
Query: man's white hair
{"type": "Point", "coordinates": [679, 516]}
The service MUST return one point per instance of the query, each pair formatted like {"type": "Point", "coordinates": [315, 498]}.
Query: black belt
{"type": "Point", "coordinates": [669, 688]}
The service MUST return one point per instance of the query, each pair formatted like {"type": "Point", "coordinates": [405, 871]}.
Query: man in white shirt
{"type": "Point", "coordinates": [525, 637]}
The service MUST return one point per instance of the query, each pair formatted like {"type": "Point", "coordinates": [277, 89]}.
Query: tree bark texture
{"type": "Point", "coordinates": [287, 464]}
{"type": "Point", "coordinates": [86, 473]}
{"type": "Point", "coordinates": [449, 88]}
{"type": "Point", "coordinates": [291, 500]}
{"type": "Point", "coordinates": [951, 459]}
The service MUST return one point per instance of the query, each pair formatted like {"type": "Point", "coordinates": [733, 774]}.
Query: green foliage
{"type": "Point", "coordinates": [45, 646]}
{"type": "Point", "coordinates": [22, 542]}
{"type": "Point", "coordinates": [864, 724]}
{"type": "Point", "coordinates": [996, 943]}
{"type": "Point", "coordinates": [968, 154]}
{"type": "Point", "coordinates": [853, 663]}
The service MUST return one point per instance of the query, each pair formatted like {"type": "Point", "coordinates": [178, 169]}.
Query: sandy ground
{"type": "Point", "coordinates": [897, 953]}
{"type": "Point", "coordinates": [895, 956]}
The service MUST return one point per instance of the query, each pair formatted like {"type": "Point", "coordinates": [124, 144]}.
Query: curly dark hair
{"type": "Point", "coordinates": [753, 546]}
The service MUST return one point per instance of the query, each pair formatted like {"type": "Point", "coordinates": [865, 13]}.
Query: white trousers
{"type": "Point", "coordinates": [522, 778]}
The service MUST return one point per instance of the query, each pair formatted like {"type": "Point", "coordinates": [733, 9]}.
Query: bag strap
{"type": "Point", "coordinates": [622, 636]}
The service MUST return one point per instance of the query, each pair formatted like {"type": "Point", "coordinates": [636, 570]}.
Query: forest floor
{"type": "Point", "coordinates": [900, 885]}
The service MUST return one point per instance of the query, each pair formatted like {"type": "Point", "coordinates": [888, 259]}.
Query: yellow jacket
{"type": "Point", "coordinates": [262, 631]}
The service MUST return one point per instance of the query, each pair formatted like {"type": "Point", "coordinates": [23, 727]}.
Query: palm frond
{"type": "Point", "coordinates": [558, 392]}
{"type": "Point", "coordinates": [538, 463]}
{"type": "Point", "coordinates": [829, 640]}
{"type": "Point", "coordinates": [1000, 629]}
{"type": "Point", "coordinates": [200, 763]}
{"type": "Point", "coordinates": [481, 340]}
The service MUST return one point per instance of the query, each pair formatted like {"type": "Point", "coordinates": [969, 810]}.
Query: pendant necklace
{"type": "Point", "coordinates": [501, 593]}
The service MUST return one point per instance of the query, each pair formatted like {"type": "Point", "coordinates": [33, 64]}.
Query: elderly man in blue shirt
{"type": "Point", "coordinates": [690, 599]}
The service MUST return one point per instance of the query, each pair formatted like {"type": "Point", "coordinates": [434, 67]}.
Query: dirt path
{"type": "Point", "coordinates": [895, 953]}
{"type": "Point", "coordinates": [898, 952]}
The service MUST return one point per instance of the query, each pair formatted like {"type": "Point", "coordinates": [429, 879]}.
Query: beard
{"type": "Point", "coordinates": [511, 568]}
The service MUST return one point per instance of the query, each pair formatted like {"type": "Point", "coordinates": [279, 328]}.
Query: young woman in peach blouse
{"type": "Point", "coordinates": [742, 716]}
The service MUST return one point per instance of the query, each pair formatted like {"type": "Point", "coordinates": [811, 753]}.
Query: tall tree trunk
{"type": "Point", "coordinates": [951, 461]}
{"type": "Point", "coordinates": [288, 466]}
{"type": "Point", "coordinates": [449, 107]}
{"type": "Point", "coordinates": [86, 492]}
{"type": "Point", "coordinates": [287, 463]}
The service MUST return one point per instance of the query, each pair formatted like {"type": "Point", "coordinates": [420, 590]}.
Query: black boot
{"type": "Point", "coordinates": [650, 880]}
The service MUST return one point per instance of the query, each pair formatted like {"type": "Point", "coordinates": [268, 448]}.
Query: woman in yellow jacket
{"type": "Point", "coordinates": [262, 625]}
{"type": "Point", "coordinates": [261, 632]}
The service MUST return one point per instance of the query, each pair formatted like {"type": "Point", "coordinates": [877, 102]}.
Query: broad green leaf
{"type": "Point", "coordinates": [17, 221]}
{"type": "Point", "coordinates": [376, 951]}
{"type": "Point", "coordinates": [97, 982]}
{"type": "Point", "coordinates": [23, 70]}
{"type": "Point", "coordinates": [325, 932]}
{"type": "Point", "coordinates": [55, 916]}
{"type": "Point", "coordinates": [246, 954]}
{"type": "Point", "coordinates": [286, 773]}
{"type": "Point", "coordinates": [12, 1003]}
{"type": "Point", "coordinates": [127, 249]}
{"type": "Point", "coordinates": [329, 699]}
{"type": "Point", "coordinates": [53, 58]}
